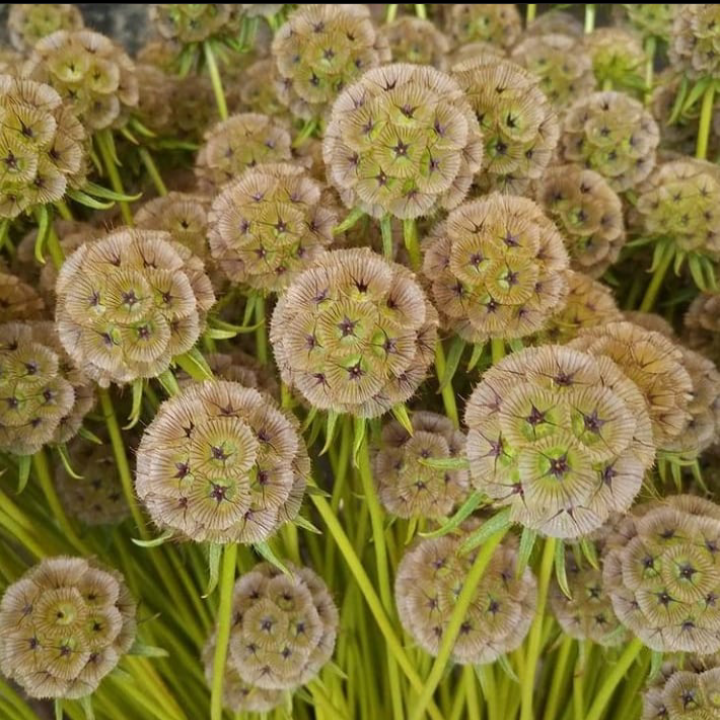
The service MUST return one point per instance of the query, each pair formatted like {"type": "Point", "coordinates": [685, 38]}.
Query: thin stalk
{"type": "Point", "coordinates": [633, 687]}
{"type": "Point", "coordinates": [472, 701]}
{"type": "Point", "coordinates": [531, 13]}
{"type": "Point", "coordinates": [650, 49]}
{"type": "Point", "coordinates": [227, 582]}
{"type": "Point", "coordinates": [706, 115]}
{"type": "Point", "coordinates": [215, 80]}
{"type": "Point", "coordinates": [54, 248]}
{"type": "Point", "coordinates": [486, 673]}
{"type": "Point", "coordinates": [578, 689]}
{"type": "Point", "coordinates": [340, 473]}
{"type": "Point", "coordinates": [657, 280]}
{"type": "Point", "coordinates": [607, 85]}
{"type": "Point", "coordinates": [28, 542]}
{"type": "Point", "coordinates": [104, 143]}
{"type": "Point", "coordinates": [421, 11]}
{"type": "Point", "coordinates": [63, 210]}
{"type": "Point", "coordinates": [153, 172]}
{"type": "Point", "coordinates": [261, 344]}
{"type": "Point", "coordinates": [410, 238]}
{"type": "Point", "coordinates": [589, 18]}
{"type": "Point", "coordinates": [391, 12]}
{"type": "Point", "coordinates": [448, 394]}
{"type": "Point", "coordinates": [558, 679]}
{"type": "Point", "coordinates": [497, 349]}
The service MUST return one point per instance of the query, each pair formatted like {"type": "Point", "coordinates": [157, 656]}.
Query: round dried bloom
{"type": "Point", "coordinates": [269, 226]}
{"type": "Point", "coordinates": [193, 109]}
{"type": "Point", "coordinates": [429, 579]}
{"type": "Point", "coordinates": [618, 58]}
{"type": "Point", "coordinates": [680, 136]}
{"type": "Point", "coordinates": [555, 23]}
{"type": "Point", "coordinates": [477, 50]}
{"type": "Point", "coordinates": [284, 627]}
{"type": "Point", "coordinates": [497, 268]}
{"type": "Point", "coordinates": [320, 50]}
{"type": "Point", "coordinates": [96, 499]}
{"type": "Point", "coordinates": [406, 487]}
{"type": "Point", "coordinates": [43, 397]}
{"type": "Point", "coordinates": [29, 23]}
{"type": "Point", "coordinates": [563, 65]}
{"type": "Point", "coordinates": [129, 302]}
{"type": "Point", "coordinates": [650, 321]}
{"type": "Point", "coordinates": [494, 23]}
{"type": "Point", "coordinates": [261, 9]}
{"type": "Point", "coordinates": [91, 72]}
{"type": "Point", "coordinates": [417, 41]}
{"type": "Point", "coordinates": [42, 142]}
{"type": "Point", "coordinates": [239, 696]}
{"type": "Point", "coordinates": [240, 142]}
{"type": "Point", "coordinates": [662, 570]}
{"type": "Point", "coordinates": [694, 39]}
{"type": "Point", "coordinates": [402, 141]}
{"type": "Point", "coordinates": [183, 215]}
{"type": "Point", "coordinates": [18, 301]}
{"type": "Point", "coordinates": [561, 437]}
{"type": "Point", "coordinates": [355, 333]}
{"type": "Point", "coordinates": [679, 201]}
{"type": "Point", "coordinates": [254, 91]}
{"type": "Point", "coordinates": [154, 106]}
{"type": "Point", "coordinates": [222, 463]}
{"type": "Point", "coordinates": [655, 364]}
{"type": "Point", "coordinates": [588, 213]}
{"type": "Point", "coordinates": [194, 22]}
{"type": "Point", "coordinates": [702, 323]}
{"type": "Point", "coordinates": [160, 53]}
{"type": "Point", "coordinates": [519, 126]}
{"type": "Point", "coordinates": [650, 19]}
{"type": "Point", "coordinates": [613, 134]}
{"type": "Point", "coordinates": [11, 62]}
{"type": "Point", "coordinates": [64, 626]}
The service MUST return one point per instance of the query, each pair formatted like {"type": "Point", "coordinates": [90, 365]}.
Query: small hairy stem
{"type": "Point", "coordinates": [706, 115]}
{"type": "Point", "coordinates": [215, 80]}
{"type": "Point", "coordinates": [391, 12]}
{"type": "Point", "coordinates": [650, 48]}
{"type": "Point", "coordinates": [531, 13]}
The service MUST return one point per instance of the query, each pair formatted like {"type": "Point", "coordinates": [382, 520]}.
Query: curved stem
{"type": "Point", "coordinates": [153, 172]}
{"type": "Point", "coordinates": [657, 280]}
{"type": "Point", "coordinates": [410, 237]}
{"type": "Point", "coordinates": [589, 18]}
{"type": "Point", "coordinates": [215, 80]}
{"type": "Point", "coordinates": [105, 145]}
{"type": "Point", "coordinates": [706, 114]}
{"type": "Point", "coordinates": [448, 394]}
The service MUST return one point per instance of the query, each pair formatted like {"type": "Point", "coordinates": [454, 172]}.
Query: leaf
{"type": "Point", "coordinates": [4, 231]}
{"type": "Point", "coordinates": [24, 464]}
{"type": "Point", "coordinates": [659, 251]}
{"type": "Point", "coordinates": [250, 304]}
{"type": "Point", "coordinates": [697, 271]}
{"type": "Point", "coordinates": [155, 542]}
{"type": "Point", "coordinates": [360, 426]}
{"type": "Point", "coordinates": [125, 132]}
{"type": "Point", "coordinates": [330, 425]}
{"type": "Point", "coordinates": [516, 344]}
{"type": "Point", "coordinates": [65, 459]}
{"type": "Point", "coordinates": [500, 521]}
{"type": "Point", "coordinates": [316, 491]}
{"type": "Point", "coordinates": [561, 570]}
{"type": "Point", "coordinates": [266, 553]}
{"type": "Point", "coordinates": [99, 191]}
{"type": "Point", "coordinates": [462, 514]}
{"type": "Point", "coordinates": [697, 91]}
{"type": "Point", "coordinates": [218, 334]}
{"type": "Point", "coordinates": [84, 199]}
{"type": "Point", "coordinates": [169, 383]}
{"type": "Point", "coordinates": [217, 324]}
{"type": "Point", "coordinates": [87, 706]}
{"type": "Point", "coordinates": [457, 348]}
{"type": "Point", "coordinates": [140, 649]}
{"type": "Point", "coordinates": [89, 435]}
{"type": "Point", "coordinates": [308, 419]}
{"type": "Point", "coordinates": [589, 551]}
{"type": "Point", "coordinates": [401, 415]}
{"type": "Point", "coordinates": [504, 663]}
{"type": "Point", "coordinates": [43, 218]}
{"type": "Point", "coordinates": [305, 524]}
{"type": "Point", "coordinates": [656, 663]}
{"type": "Point", "coordinates": [477, 354]}
{"type": "Point", "coordinates": [680, 256]}
{"type": "Point", "coordinates": [451, 463]}
{"type": "Point", "coordinates": [58, 709]}
{"type": "Point", "coordinates": [348, 222]}
{"type": "Point", "coordinates": [527, 544]}
{"type": "Point", "coordinates": [215, 551]}
{"type": "Point", "coordinates": [679, 102]}
{"type": "Point", "coordinates": [194, 364]}
{"type": "Point", "coordinates": [335, 669]}
{"type": "Point", "coordinates": [142, 129]}
{"type": "Point", "coordinates": [137, 394]}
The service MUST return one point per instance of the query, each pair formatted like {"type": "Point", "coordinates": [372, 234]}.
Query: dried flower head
{"type": "Point", "coordinates": [194, 111]}
{"type": "Point", "coordinates": [18, 301]}
{"type": "Point", "coordinates": [254, 91]}
{"type": "Point", "coordinates": [588, 213]}
{"type": "Point", "coordinates": [221, 463]}
{"type": "Point", "coordinates": [613, 134]}
{"type": "Point", "coordinates": [91, 72]}
{"type": "Point", "coordinates": [129, 302]}
{"type": "Point", "coordinates": [655, 364]}
{"type": "Point", "coordinates": [478, 50]}
{"type": "Point", "coordinates": [494, 23]}
{"type": "Point", "coordinates": [556, 22]}
{"type": "Point", "coordinates": [561, 437]}
{"type": "Point", "coordinates": [417, 41]}
{"type": "Point", "coordinates": [43, 397]}
{"type": "Point", "coordinates": [261, 9]}
{"type": "Point", "coordinates": [29, 23]}
{"type": "Point", "coordinates": [563, 65]}
{"type": "Point", "coordinates": [650, 321]}
{"type": "Point", "coordinates": [406, 487]}
{"type": "Point", "coordinates": [240, 142]}
{"type": "Point", "coordinates": [64, 626]}
{"type": "Point", "coordinates": [320, 50]}
{"type": "Point", "coordinates": [618, 58]}
{"type": "Point", "coordinates": [155, 91]}
{"type": "Point", "coordinates": [679, 201]}
{"type": "Point", "coordinates": [694, 39]}
{"type": "Point", "coordinates": [284, 627]}
{"type": "Point", "coordinates": [680, 136]}
{"type": "Point", "coordinates": [702, 322]}
{"type": "Point", "coordinates": [42, 142]}
{"type": "Point", "coordinates": [194, 22]}
{"type": "Point", "coordinates": [662, 570]}
{"type": "Point", "coordinates": [402, 141]}
{"type": "Point", "coordinates": [650, 19]}
{"type": "Point", "coordinates": [497, 268]}
{"type": "Point", "coordinates": [519, 126]}
{"type": "Point", "coordinates": [269, 226]}
{"type": "Point", "coordinates": [355, 333]}
{"type": "Point", "coordinates": [429, 579]}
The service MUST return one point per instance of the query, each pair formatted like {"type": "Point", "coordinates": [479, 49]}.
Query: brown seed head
{"type": "Point", "coordinates": [693, 41]}
{"type": "Point", "coordinates": [18, 301]}
{"type": "Point", "coordinates": [702, 323]}
{"type": "Point", "coordinates": [417, 41]}
{"type": "Point", "coordinates": [495, 23]}
{"type": "Point", "coordinates": [618, 58]}
{"type": "Point", "coordinates": [649, 19]}
{"type": "Point", "coordinates": [29, 23]}
{"type": "Point", "coordinates": [555, 23]}
{"type": "Point", "coordinates": [194, 23]}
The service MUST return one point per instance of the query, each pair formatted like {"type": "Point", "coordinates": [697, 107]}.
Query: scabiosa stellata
{"type": "Point", "coordinates": [561, 437]}
{"type": "Point", "coordinates": [28, 23]}
{"type": "Point", "coordinates": [417, 41]}
{"type": "Point", "coordinates": [129, 302]}
{"type": "Point", "coordinates": [18, 301]}
{"type": "Point", "coordinates": [429, 579]}
{"type": "Point", "coordinates": [194, 22]}
{"type": "Point", "coordinates": [64, 626]}
{"type": "Point", "coordinates": [284, 627]}
{"type": "Point", "coordinates": [555, 23]}
{"type": "Point", "coordinates": [651, 20]}
{"type": "Point", "coordinates": [355, 333]}
{"type": "Point", "coordinates": [497, 268]}
{"type": "Point", "coordinates": [406, 487]}
{"type": "Point", "coordinates": [221, 463]}
{"type": "Point", "coordinates": [494, 23]}
{"type": "Point", "coordinates": [618, 59]}
{"type": "Point", "coordinates": [702, 324]}
{"type": "Point", "coordinates": [693, 40]}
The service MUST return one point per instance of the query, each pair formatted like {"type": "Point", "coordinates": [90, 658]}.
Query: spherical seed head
{"type": "Point", "coordinates": [221, 463]}
{"type": "Point", "coordinates": [588, 213]}
{"type": "Point", "coordinates": [129, 302]}
{"type": "Point", "coordinates": [18, 301]}
{"type": "Point", "coordinates": [155, 91]}
{"type": "Point", "coordinates": [702, 323]}
{"type": "Point", "coordinates": [497, 268]}
{"type": "Point", "coordinates": [262, 9]}
{"type": "Point", "coordinates": [561, 437]}
{"type": "Point", "coordinates": [429, 579]}
{"type": "Point", "coordinates": [30, 23]}
{"type": "Point", "coordinates": [269, 226]}
{"type": "Point", "coordinates": [284, 627]}
{"type": "Point", "coordinates": [402, 141]}
{"type": "Point", "coordinates": [91, 72]}
{"type": "Point", "coordinates": [693, 40]}
{"type": "Point", "coordinates": [320, 50]}
{"type": "Point", "coordinates": [478, 50]}
{"type": "Point", "coordinates": [195, 23]}
{"type": "Point", "coordinates": [355, 333]}
{"type": "Point", "coordinates": [613, 134]}
{"type": "Point", "coordinates": [555, 23]}
{"type": "Point", "coordinates": [651, 19]}
{"type": "Point", "coordinates": [406, 487]}
{"type": "Point", "coordinates": [64, 626]}
{"type": "Point", "coordinates": [42, 143]}
{"type": "Point", "coordinates": [43, 398]}
{"type": "Point", "coordinates": [417, 41]}
{"type": "Point", "coordinates": [679, 200]}
{"type": "Point", "coordinates": [194, 110]}
{"type": "Point", "coordinates": [254, 91]}
{"type": "Point", "coordinates": [655, 364]}
{"type": "Point", "coordinates": [240, 142]}
{"type": "Point", "coordinates": [650, 321]}
{"type": "Point", "coordinates": [495, 23]}
{"type": "Point", "coordinates": [617, 57]}
{"type": "Point", "coordinates": [519, 126]}
{"type": "Point", "coordinates": [563, 65]}
{"type": "Point", "coordinates": [662, 570]}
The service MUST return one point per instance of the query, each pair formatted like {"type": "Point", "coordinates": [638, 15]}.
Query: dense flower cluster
{"type": "Point", "coordinates": [416, 41]}
{"type": "Point", "coordinates": [18, 301]}
{"type": "Point", "coordinates": [618, 59]}
{"type": "Point", "coordinates": [693, 40]}
{"type": "Point", "coordinates": [495, 23]}
{"type": "Point", "coordinates": [195, 22]}
{"type": "Point", "coordinates": [651, 19]}
{"type": "Point", "coordinates": [702, 323]}
{"type": "Point", "coordinates": [30, 23]}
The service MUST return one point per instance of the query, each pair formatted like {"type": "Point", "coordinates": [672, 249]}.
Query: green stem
{"type": "Point", "coordinates": [706, 115]}
{"type": "Point", "coordinates": [558, 678]}
{"type": "Point", "coordinates": [54, 248]}
{"type": "Point", "coordinates": [578, 688]}
{"type": "Point", "coordinates": [391, 12]}
{"type": "Point", "coordinates": [223, 634]}
{"type": "Point", "coordinates": [421, 11]}
{"type": "Point", "coordinates": [64, 210]}
{"type": "Point", "coordinates": [387, 236]}
{"type": "Point", "coordinates": [105, 144]}
{"type": "Point", "coordinates": [657, 280]}
{"type": "Point", "coordinates": [471, 697]}
{"type": "Point", "coordinates": [448, 394]}
{"type": "Point", "coordinates": [153, 172]}
{"type": "Point", "coordinates": [486, 673]}
{"type": "Point", "coordinates": [215, 80]}
{"type": "Point", "coordinates": [465, 598]}
{"type": "Point", "coordinates": [589, 18]}
{"type": "Point", "coordinates": [531, 13]}
{"type": "Point", "coordinates": [410, 237]}
{"type": "Point", "coordinates": [535, 640]}
{"type": "Point", "coordinates": [607, 85]}
{"type": "Point", "coordinates": [305, 133]}
{"type": "Point", "coordinates": [497, 349]}
{"type": "Point", "coordinates": [261, 344]}
{"type": "Point", "coordinates": [650, 49]}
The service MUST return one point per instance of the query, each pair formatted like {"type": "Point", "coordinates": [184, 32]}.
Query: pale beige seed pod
{"type": "Point", "coordinates": [702, 325]}
{"type": "Point", "coordinates": [618, 59]}
{"type": "Point", "coordinates": [693, 40]}
{"type": "Point", "coordinates": [476, 50]}
{"type": "Point", "coordinates": [651, 20]}
{"type": "Point", "coordinates": [18, 301]}
{"type": "Point", "coordinates": [194, 23]}
{"type": "Point", "coordinates": [29, 23]}
{"type": "Point", "coordinates": [64, 626]}
{"type": "Point", "coordinates": [417, 41]}
{"type": "Point", "coordinates": [650, 321]}
{"type": "Point", "coordinates": [495, 23]}
{"type": "Point", "coordinates": [555, 23]}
